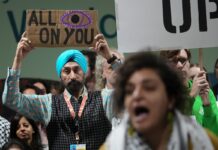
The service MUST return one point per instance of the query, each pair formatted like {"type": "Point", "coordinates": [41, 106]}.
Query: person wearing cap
{"type": "Point", "coordinates": [74, 119]}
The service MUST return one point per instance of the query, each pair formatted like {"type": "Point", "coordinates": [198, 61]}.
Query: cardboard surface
{"type": "Point", "coordinates": [61, 28]}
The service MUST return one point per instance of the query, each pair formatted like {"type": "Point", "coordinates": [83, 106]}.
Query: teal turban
{"type": "Point", "coordinates": [71, 55]}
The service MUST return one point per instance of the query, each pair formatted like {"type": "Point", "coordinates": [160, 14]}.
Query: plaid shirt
{"type": "Point", "coordinates": [36, 107]}
{"type": "Point", "coordinates": [4, 131]}
{"type": "Point", "coordinates": [94, 126]}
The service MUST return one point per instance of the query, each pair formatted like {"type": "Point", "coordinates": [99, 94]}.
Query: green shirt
{"type": "Point", "coordinates": [207, 116]}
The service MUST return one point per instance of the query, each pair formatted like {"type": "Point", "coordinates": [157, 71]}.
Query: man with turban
{"type": "Point", "coordinates": [76, 118]}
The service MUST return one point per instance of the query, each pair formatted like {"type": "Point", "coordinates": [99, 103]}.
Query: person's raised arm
{"type": "Point", "coordinates": [36, 107]}
{"type": "Point", "coordinates": [208, 101]}
{"type": "Point", "coordinates": [24, 46]}
{"type": "Point", "coordinates": [200, 87]}
{"type": "Point", "coordinates": [102, 48]}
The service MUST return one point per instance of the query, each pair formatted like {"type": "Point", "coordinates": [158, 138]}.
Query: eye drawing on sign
{"type": "Point", "coordinates": [76, 19]}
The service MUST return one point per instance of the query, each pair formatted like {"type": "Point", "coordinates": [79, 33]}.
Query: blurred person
{"type": "Point", "coordinates": [15, 144]}
{"type": "Point", "coordinates": [31, 89]}
{"type": "Point", "coordinates": [215, 87]}
{"type": "Point", "coordinates": [152, 95]}
{"type": "Point", "coordinates": [26, 130]}
{"type": "Point", "coordinates": [202, 103]}
{"type": "Point", "coordinates": [42, 86]}
{"type": "Point", "coordinates": [194, 70]}
{"type": "Point", "coordinates": [90, 75]}
{"type": "Point", "coordinates": [105, 78]}
{"type": "Point", "coordinates": [4, 131]}
{"type": "Point", "coordinates": [56, 88]}
{"type": "Point", "coordinates": [74, 118]}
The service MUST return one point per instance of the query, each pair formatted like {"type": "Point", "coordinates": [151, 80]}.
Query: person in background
{"type": "Point", "coordinates": [14, 144]}
{"type": "Point", "coordinates": [56, 88]}
{"type": "Point", "coordinates": [26, 130]}
{"type": "Point", "coordinates": [194, 70]}
{"type": "Point", "coordinates": [76, 118]}
{"type": "Point", "coordinates": [105, 76]}
{"type": "Point", "coordinates": [90, 75]}
{"type": "Point", "coordinates": [215, 87]}
{"type": "Point", "coordinates": [31, 89]}
{"type": "Point", "coordinates": [42, 86]}
{"type": "Point", "coordinates": [202, 102]}
{"type": "Point", "coordinates": [4, 131]}
{"type": "Point", "coordinates": [152, 95]}
{"type": "Point", "coordinates": [105, 79]}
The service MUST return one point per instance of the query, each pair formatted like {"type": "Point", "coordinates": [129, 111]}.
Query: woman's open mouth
{"type": "Point", "coordinates": [140, 113]}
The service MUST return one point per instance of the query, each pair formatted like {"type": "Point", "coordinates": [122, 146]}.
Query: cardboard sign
{"type": "Point", "coordinates": [61, 28]}
{"type": "Point", "coordinates": [166, 24]}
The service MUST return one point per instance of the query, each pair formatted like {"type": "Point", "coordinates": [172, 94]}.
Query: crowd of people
{"type": "Point", "coordinates": [144, 102]}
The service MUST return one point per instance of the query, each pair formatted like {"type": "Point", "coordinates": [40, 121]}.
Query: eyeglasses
{"type": "Point", "coordinates": [182, 60]}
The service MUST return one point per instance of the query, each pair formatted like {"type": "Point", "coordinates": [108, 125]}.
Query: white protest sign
{"type": "Point", "coordinates": [166, 24]}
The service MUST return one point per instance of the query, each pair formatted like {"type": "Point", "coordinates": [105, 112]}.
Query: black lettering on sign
{"type": "Point", "coordinates": [91, 36]}
{"type": "Point", "coordinates": [202, 15]}
{"type": "Point", "coordinates": [33, 19]}
{"type": "Point", "coordinates": [68, 34]}
{"type": "Point", "coordinates": [44, 35]}
{"type": "Point", "coordinates": [167, 16]}
{"type": "Point", "coordinates": [41, 18]}
{"type": "Point", "coordinates": [50, 19]}
{"type": "Point", "coordinates": [55, 36]}
{"type": "Point", "coordinates": [186, 7]}
{"type": "Point", "coordinates": [214, 15]}
{"type": "Point", "coordinates": [79, 36]}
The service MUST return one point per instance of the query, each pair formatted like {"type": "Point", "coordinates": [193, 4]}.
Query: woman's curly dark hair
{"type": "Point", "coordinates": [142, 60]}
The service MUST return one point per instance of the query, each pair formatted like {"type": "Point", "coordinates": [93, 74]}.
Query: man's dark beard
{"type": "Point", "coordinates": [74, 87]}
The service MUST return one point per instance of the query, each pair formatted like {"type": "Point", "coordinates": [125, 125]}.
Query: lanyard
{"type": "Point", "coordinates": [72, 113]}
{"type": "Point", "coordinates": [70, 107]}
